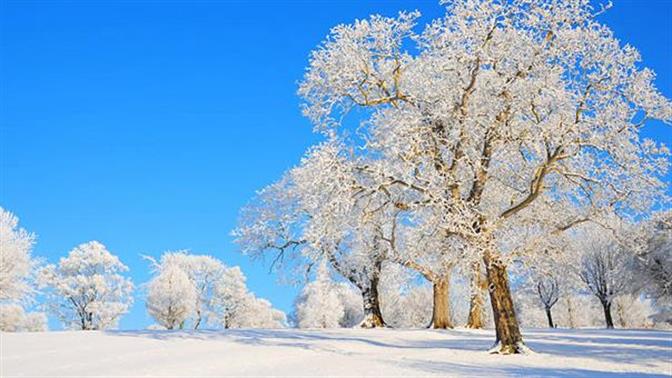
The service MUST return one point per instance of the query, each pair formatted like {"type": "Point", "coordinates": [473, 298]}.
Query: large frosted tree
{"type": "Point", "coordinates": [499, 115]}
{"type": "Point", "coordinates": [86, 289]}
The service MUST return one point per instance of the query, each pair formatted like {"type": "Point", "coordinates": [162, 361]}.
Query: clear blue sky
{"type": "Point", "coordinates": [146, 125]}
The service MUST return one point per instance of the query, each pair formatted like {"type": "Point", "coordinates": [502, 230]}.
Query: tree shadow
{"type": "Point", "coordinates": [464, 369]}
{"type": "Point", "coordinates": [292, 337]}
{"type": "Point", "coordinates": [647, 348]}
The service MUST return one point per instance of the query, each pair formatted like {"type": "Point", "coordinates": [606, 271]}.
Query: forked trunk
{"type": "Point", "coordinates": [550, 317]}
{"type": "Point", "coordinates": [509, 339]}
{"type": "Point", "coordinates": [477, 298]}
{"type": "Point", "coordinates": [607, 314]}
{"type": "Point", "coordinates": [441, 314]}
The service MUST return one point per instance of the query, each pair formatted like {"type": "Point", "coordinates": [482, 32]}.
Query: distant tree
{"type": "Point", "coordinates": [16, 263]}
{"type": "Point", "coordinates": [17, 268]}
{"type": "Point", "coordinates": [206, 273]}
{"type": "Point", "coordinates": [353, 310]}
{"type": "Point", "coordinates": [548, 291]}
{"type": "Point", "coordinates": [13, 318]}
{"type": "Point", "coordinates": [171, 296]}
{"type": "Point", "coordinates": [633, 311]}
{"type": "Point", "coordinates": [253, 312]}
{"type": "Point", "coordinates": [653, 264]}
{"type": "Point", "coordinates": [191, 290]}
{"type": "Point", "coordinates": [86, 289]}
{"type": "Point", "coordinates": [604, 269]}
{"type": "Point", "coordinates": [236, 307]}
{"type": "Point", "coordinates": [319, 305]}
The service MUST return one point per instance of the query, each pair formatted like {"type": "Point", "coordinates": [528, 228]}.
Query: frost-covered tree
{"type": "Point", "coordinates": [171, 296]}
{"type": "Point", "coordinates": [353, 308]}
{"type": "Point", "coordinates": [496, 116]}
{"type": "Point", "coordinates": [16, 263]}
{"type": "Point", "coordinates": [13, 318]}
{"type": "Point", "coordinates": [206, 274]}
{"type": "Point", "coordinates": [653, 264]}
{"type": "Point", "coordinates": [632, 311]}
{"type": "Point", "coordinates": [548, 292]}
{"type": "Point", "coordinates": [232, 300]}
{"type": "Point", "coordinates": [17, 268]}
{"type": "Point", "coordinates": [298, 220]}
{"type": "Point", "coordinates": [86, 289]}
{"type": "Point", "coordinates": [253, 312]}
{"type": "Point", "coordinates": [235, 306]}
{"type": "Point", "coordinates": [604, 269]}
{"type": "Point", "coordinates": [191, 290]}
{"type": "Point", "coordinates": [319, 305]}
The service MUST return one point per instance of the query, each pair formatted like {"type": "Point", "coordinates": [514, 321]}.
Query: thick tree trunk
{"type": "Point", "coordinates": [509, 339]}
{"type": "Point", "coordinates": [550, 317]}
{"type": "Point", "coordinates": [441, 314]}
{"type": "Point", "coordinates": [477, 298]}
{"type": "Point", "coordinates": [607, 314]}
{"type": "Point", "coordinates": [373, 316]}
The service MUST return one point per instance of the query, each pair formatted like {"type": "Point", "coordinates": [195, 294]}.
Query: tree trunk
{"type": "Point", "coordinates": [570, 313]}
{"type": "Point", "coordinates": [607, 314]}
{"type": "Point", "coordinates": [550, 317]}
{"type": "Point", "coordinates": [373, 316]}
{"type": "Point", "coordinates": [509, 339]}
{"type": "Point", "coordinates": [441, 314]}
{"type": "Point", "coordinates": [198, 319]}
{"type": "Point", "coordinates": [477, 299]}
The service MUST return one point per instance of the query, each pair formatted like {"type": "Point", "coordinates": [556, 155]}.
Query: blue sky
{"type": "Point", "coordinates": [146, 125]}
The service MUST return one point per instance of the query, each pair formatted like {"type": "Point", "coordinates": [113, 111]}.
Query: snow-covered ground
{"type": "Point", "coordinates": [337, 352]}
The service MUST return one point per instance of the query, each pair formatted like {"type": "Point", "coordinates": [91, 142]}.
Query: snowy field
{"type": "Point", "coordinates": [337, 352]}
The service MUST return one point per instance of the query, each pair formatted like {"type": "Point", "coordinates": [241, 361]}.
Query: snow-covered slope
{"type": "Point", "coordinates": [337, 352]}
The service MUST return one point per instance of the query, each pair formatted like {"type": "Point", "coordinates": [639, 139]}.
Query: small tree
{"type": "Point", "coordinates": [319, 305]}
{"type": "Point", "coordinates": [548, 291]}
{"type": "Point", "coordinates": [653, 264]}
{"type": "Point", "coordinates": [86, 289]}
{"type": "Point", "coordinates": [14, 319]}
{"type": "Point", "coordinates": [171, 296]}
{"type": "Point", "coordinates": [604, 270]}
{"type": "Point", "coordinates": [16, 263]}
{"type": "Point", "coordinates": [205, 273]}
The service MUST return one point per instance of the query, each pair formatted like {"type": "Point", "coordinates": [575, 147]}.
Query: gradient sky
{"type": "Point", "coordinates": [146, 125]}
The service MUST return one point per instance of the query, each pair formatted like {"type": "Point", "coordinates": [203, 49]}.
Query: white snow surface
{"type": "Point", "coordinates": [332, 352]}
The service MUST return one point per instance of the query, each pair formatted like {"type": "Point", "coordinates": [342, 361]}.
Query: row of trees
{"type": "Point", "coordinates": [406, 302]}
{"type": "Point", "coordinates": [88, 288]}
{"type": "Point", "coordinates": [198, 290]}
{"type": "Point", "coordinates": [494, 137]}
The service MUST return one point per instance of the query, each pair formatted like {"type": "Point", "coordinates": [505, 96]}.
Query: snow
{"type": "Point", "coordinates": [332, 352]}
